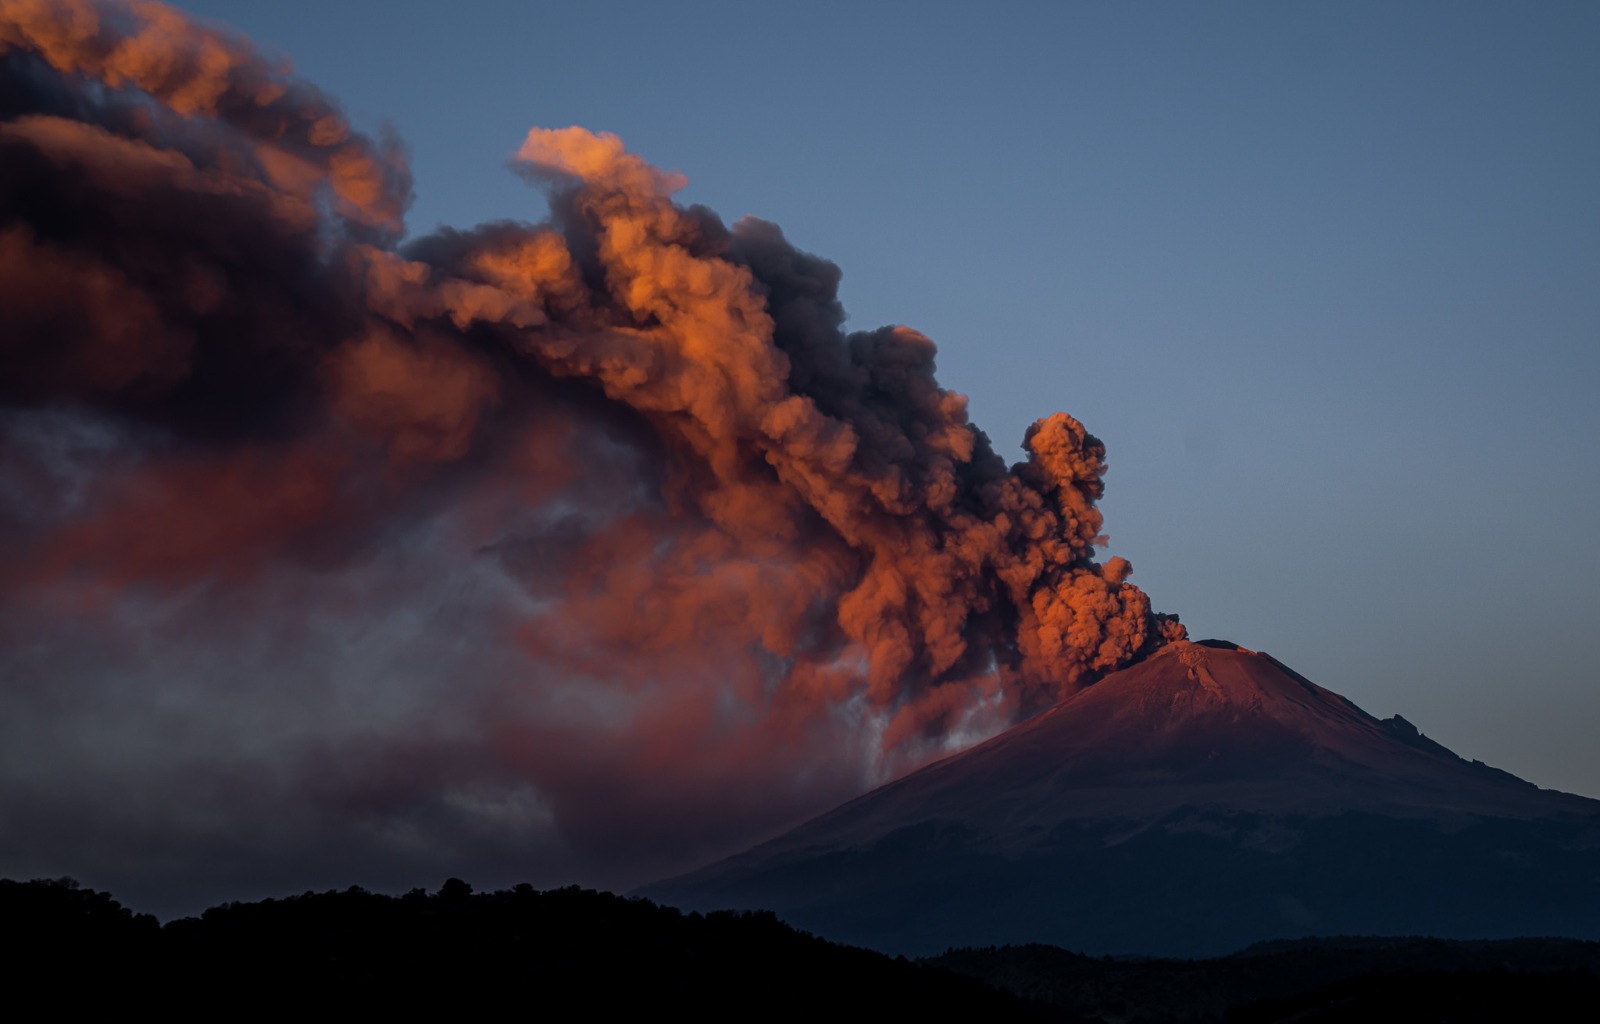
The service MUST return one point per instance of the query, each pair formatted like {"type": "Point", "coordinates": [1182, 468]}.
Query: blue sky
{"type": "Point", "coordinates": [1324, 277]}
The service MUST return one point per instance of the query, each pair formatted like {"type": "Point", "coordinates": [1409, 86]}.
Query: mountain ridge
{"type": "Point", "coordinates": [1206, 761]}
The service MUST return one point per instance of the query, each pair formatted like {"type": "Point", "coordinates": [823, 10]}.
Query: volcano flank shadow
{"type": "Point", "coordinates": [1199, 800]}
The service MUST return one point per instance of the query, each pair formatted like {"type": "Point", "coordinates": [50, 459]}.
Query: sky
{"type": "Point", "coordinates": [1320, 276]}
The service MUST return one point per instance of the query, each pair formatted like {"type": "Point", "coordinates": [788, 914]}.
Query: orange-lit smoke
{"type": "Point", "coordinates": [750, 534]}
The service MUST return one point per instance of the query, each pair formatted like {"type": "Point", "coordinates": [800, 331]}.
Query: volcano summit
{"type": "Point", "coordinates": [1202, 799]}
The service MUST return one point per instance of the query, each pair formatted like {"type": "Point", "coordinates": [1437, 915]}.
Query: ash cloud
{"type": "Point", "coordinates": [596, 542]}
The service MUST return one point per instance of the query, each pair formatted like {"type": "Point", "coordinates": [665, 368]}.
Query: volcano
{"type": "Point", "coordinates": [1203, 799]}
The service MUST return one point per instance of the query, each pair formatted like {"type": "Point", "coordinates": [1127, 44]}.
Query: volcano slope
{"type": "Point", "coordinates": [1203, 799]}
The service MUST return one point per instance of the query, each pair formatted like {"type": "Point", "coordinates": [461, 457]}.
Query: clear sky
{"type": "Point", "coordinates": [1324, 277]}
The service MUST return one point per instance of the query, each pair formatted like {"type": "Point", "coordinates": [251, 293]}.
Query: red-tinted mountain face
{"type": "Point", "coordinates": [1197, 723]}
{"type": "Point", "coordinates": [1206, 797]}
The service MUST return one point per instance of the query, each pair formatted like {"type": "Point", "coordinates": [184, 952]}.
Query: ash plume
{"type": "Point", "coordinates": [653, 551]}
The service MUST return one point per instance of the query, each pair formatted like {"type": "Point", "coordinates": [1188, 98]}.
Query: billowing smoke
{"type": "Point", "coordinates": [603, 525]}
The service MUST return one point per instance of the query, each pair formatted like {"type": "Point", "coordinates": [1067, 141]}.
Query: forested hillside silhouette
{"type": "Point", "coordinates": [564, 949]}
{"type": "Point", "coordinates": [571, 952]}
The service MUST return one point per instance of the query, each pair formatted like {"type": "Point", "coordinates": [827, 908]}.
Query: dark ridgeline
{"type": "Point", "coordinates": [1321, 980]}
{"type": "Point", "coordinates": [1199, 801]}
{"type": "Point", "coordinates": [560, 954]}
{"type": "Point", "coordinates": [573, 953]}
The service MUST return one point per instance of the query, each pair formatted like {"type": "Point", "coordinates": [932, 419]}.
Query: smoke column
{"type": "Point", "coordinates": [712, 557]}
